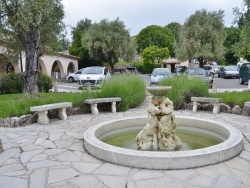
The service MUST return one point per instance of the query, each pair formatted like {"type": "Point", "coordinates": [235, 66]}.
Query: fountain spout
{"type": "Point", "coordinates": [159, 132]}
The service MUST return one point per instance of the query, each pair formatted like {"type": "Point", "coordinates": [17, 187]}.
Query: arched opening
{"type": "Point", "coordinates": [5, 65]}
{"type": "Point", "coordinates": [57, 70]}
{"type": "Point", "coordinates": [71, 68]}
{"type": "Point", "coordinates": [42, 67]}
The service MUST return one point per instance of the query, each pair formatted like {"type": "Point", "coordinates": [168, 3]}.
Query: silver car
{"type": "Point", "coordinates": [73, 77]}
{"type": "Point", "coordinates": [228, 72]}
{"type": "Point", "coordinates": [95, 76]}
{"type": "Point", "coordinates": [199, 73]}
{"type": "Point", "coordinates": [159, 74]}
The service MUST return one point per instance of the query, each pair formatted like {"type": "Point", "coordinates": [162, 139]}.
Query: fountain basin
{"type": "Point", "coordinates": [164, 159]}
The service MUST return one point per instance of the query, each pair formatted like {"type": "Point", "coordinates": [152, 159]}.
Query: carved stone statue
{"type": "Point", "coordinates": [159, 132]}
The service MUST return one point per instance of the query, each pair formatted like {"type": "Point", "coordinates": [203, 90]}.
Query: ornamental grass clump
{"type": "Point", "coordinates": [131, 88]}
{"type": "Point", "coordinates": [184, 88]}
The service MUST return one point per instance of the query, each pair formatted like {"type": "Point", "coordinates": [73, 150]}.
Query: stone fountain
{"type": "Point", "coordinates": [159, 134]}
{"type": "Point", "coordinates": [160, 131]}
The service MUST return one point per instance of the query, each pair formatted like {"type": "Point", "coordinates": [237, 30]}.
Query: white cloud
{"type": "Point", "coordinates": [138, 14]}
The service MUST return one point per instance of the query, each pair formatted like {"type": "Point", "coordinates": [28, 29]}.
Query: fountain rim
{"type": "Point", "coordinates": [114, 154]}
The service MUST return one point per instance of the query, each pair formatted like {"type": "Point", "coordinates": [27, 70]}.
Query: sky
{"type": "Point", "coordinates": [138, 14]}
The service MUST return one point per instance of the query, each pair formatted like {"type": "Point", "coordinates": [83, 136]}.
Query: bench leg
{"type": "Point", "coordinates": [113, 107]}
{"type": "Point", "coordinates": [62, 114]}
{"type": "Point", "coordinates": [216, 108]}
{"type": "Point", "coordinates": [94, 109]}
{"type": "Point", "coordinates": [43, 118]}
{"type": "Point", "coordinates": [194, 106]}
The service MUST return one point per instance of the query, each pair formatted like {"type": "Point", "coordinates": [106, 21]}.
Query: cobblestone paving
{"type": "Point", "coordinates": [53, 156]}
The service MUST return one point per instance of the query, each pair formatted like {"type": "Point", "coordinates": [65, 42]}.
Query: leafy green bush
{"type": "Point", "coordinates": [11, 83]}
{"type": "Point", "coordinates": [131, 88]}
{"type": "Point", "coordinates": [44, 83]}
{"type": "Point", "coordinates": [184, 88]}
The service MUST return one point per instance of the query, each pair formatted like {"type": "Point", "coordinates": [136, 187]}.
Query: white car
{"type": "Point", "coordinates": [73, 77]}
{"type": "Point", "coordinates": [94, 76]}
{"type": "Point", "coordinates": [159, 74]}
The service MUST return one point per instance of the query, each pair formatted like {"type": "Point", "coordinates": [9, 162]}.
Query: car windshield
{"type": "Point", "coordinates": [196, 72]}
{"type": "Point", "coordinates": [93, 70]}
{"type": "Point", "coordinates": [232, 68]}
{"type": "Point", "coordinates": [161, 72]}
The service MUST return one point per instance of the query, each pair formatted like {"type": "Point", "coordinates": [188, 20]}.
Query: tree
{"type": "Point", "coordinates": [107, 41]}
{"type": "Point", "coordinates": [77, 48]}
{"type": "Point", "coordinates": [154, 53]}
{"type": "Point", "coordinates": [36, 24]}
{"type": "Point", "coordinates": [202, 37]}
{"type": "Point", "coordinates": [175, 28]}
{"type": "Point", "coordinates": [242, 48]}
{"type": "Point", "coordinates": [232, 38]}
{"type": "Point", "coordinates": [155, 36]}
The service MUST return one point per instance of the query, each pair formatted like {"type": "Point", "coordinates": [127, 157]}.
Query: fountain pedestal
{"type": "Point", "coordinates": [159, 132]}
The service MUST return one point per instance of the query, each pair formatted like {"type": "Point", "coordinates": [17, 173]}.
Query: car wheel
{"type": "Point", "coordinates": [241, 81]}
{"type": "Point", "coordinates": [71, 79]}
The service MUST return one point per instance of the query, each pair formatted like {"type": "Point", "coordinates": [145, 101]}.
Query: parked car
{"type": "Point", "coordinates": [228, 72]}
{"type": "Point", "coordinates": [73, 77]}
{"type": "Point", "coordinates": [159, 74]}
{"type": "Point", "coordinates": [199, 73]}
{"type": "Point", "coordinates": [121, 71]}
{"type": "Point", "coordinates": [210, 70]}
{"type": "Point", "coordinates": [244, 73]}
{"type": "Point", "coordinates": [132, 69]}
{"type": "Point", "coordinates": [216, 68]}
{"type": "Point", "coordinates": [95, 76]}
{"type": "Point", "coordinates": [180, 70]}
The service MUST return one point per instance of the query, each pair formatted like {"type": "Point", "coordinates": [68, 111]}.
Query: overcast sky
{"type": "Point", "coordinates": [138, 14]}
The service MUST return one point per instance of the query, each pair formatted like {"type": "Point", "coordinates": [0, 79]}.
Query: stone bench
{"type": "Point", "coordinates": [43, 111]}
{"type": "Point", "coordinates": [247, 104]}
{"type": "Point", "coordinates": [93, 103]}
{"type": "Point", "coordinates": [214, 101]}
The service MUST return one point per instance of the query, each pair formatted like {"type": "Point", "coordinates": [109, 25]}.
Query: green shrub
{"type": "Point", "coordinates": [44, 83]}
{"type": "Point", "coordinates": [11, 83]}
{"type": "Point", "coordinates": [131, 88]}
{"type": "Point", "coordinates": [184, 88]}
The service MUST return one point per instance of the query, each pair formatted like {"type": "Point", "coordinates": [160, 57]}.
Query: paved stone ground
{"type": "Point", "coordinates": [53, 156]}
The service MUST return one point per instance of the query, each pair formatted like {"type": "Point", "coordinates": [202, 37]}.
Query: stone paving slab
{"type": "Point", "coordinates": [39, 156]}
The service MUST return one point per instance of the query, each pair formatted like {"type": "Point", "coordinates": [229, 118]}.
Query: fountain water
{"type": "Point", "coordinates": [170, 159]}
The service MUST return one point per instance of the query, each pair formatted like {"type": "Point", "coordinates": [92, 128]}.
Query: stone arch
{"type": "Point", "coordinates": [57, 71]}
{"type": "Point", "coordinates": [42, 67]}
{"type": "Point", "coordinates": [71, 68]}
{"type": "Point", "coordinates": [7, 66]}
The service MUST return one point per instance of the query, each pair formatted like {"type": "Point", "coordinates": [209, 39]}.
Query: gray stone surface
{"type": "Point", "coordinates": [25, 164]}
{"type": "Point", "coordinates": [13, 182]}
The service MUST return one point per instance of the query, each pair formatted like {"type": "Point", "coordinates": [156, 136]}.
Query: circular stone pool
{"type": "Point", "coordinates": [191, 138]}
{"type": "Point", "coordinates": [229, 148]}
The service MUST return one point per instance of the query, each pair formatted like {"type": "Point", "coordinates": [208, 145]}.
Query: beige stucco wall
{"type": "Point", "coordinates": [47, 61]}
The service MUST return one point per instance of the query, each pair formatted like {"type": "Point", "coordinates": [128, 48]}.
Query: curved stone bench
{"type": "Point", "coordinates": [43, 111]}
{"type": "Point", "coordinates": [214, 101]}
{"type": "Point", "coordinates": [93, 103]}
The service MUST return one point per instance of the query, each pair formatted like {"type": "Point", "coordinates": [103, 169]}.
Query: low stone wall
{"type": "Point", "coordinates": [32, 118]}
{"type": "Point", "coordinates": [245, 111]}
